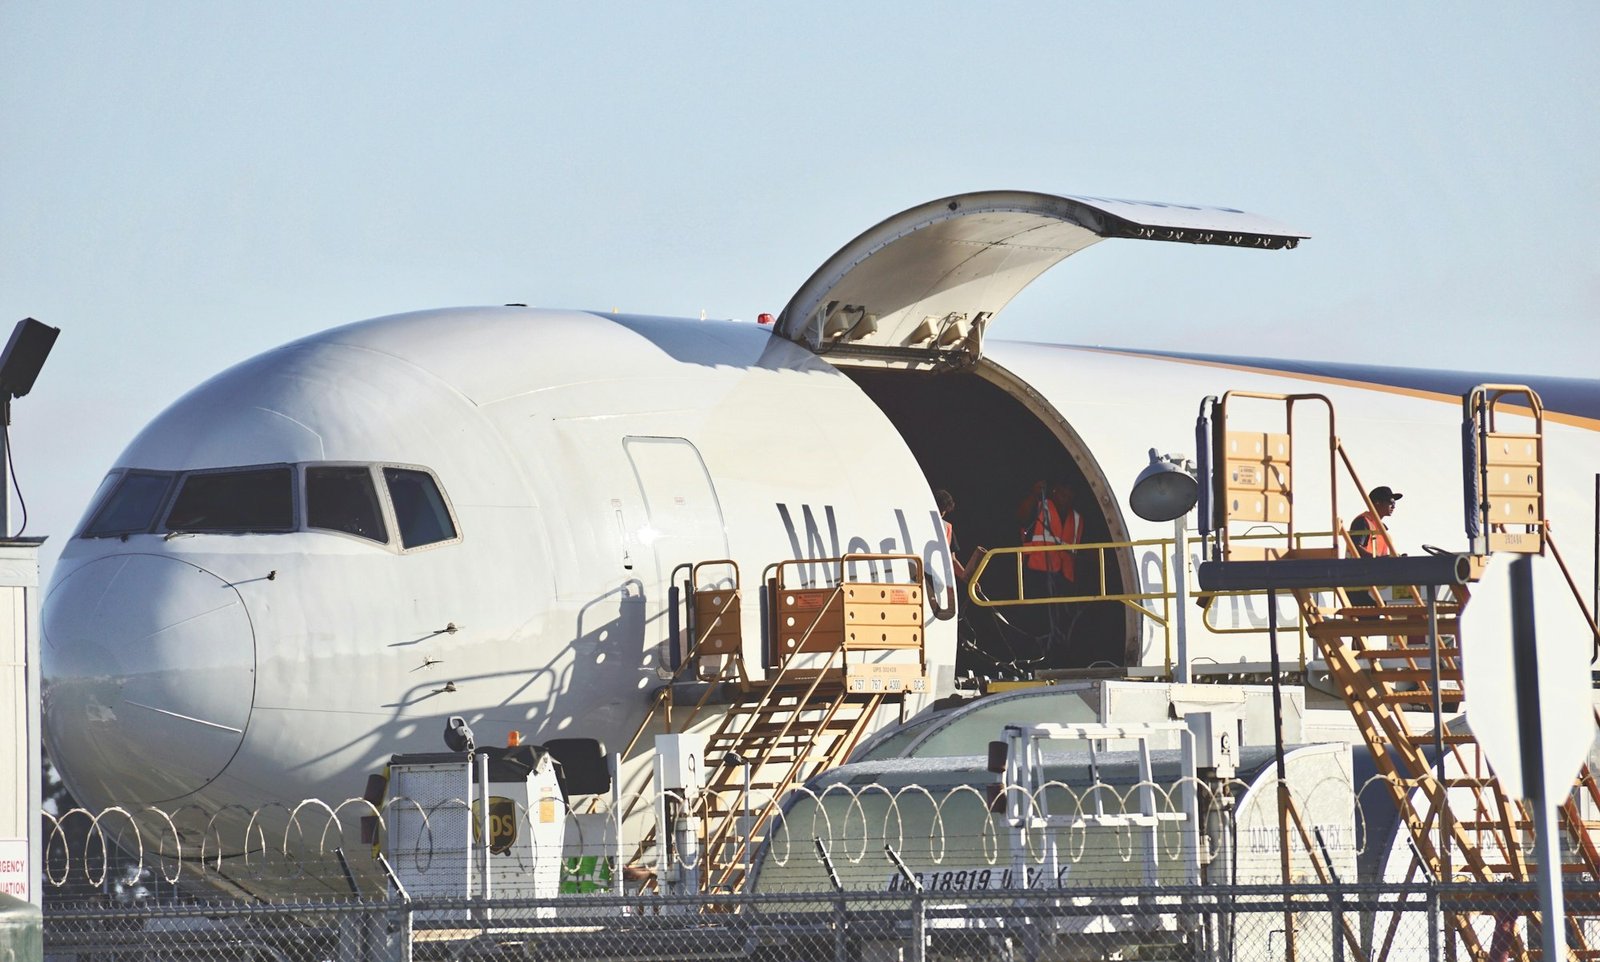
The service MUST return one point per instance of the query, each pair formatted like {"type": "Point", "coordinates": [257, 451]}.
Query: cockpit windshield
{"type": "Point", "coordinates": [367, 501]}
{"type": "Point", "coordinates": [418, 507]}
{"type": "Point", "coordinates": [344, 499]}
{"type": "Point", "coordinates": [132, 505]}
{"type": "Point", "coordinates": [253, 500]}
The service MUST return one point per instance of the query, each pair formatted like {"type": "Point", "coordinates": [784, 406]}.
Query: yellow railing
{"type": "Point", "coordinates": [1156, 605]}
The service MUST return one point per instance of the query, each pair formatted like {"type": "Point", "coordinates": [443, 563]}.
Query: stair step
{"type": "Point", "coordinates": [1380, 655]}
{"type": "Point", "coordinates": [769, 729]}
{"type": "Point", "coordinates": [1421, 673]}
{"type": "Point", "coordinates": [1567, 868]}
{"type": "Point", "coordinates": [1441, 608]}
{"type": "Point", "coordinates": [1517, 824]}
{"type": "Point", "coordinates": [788, 706]}
{"type": "Point", "coordinates": [1371, 652]}
{"type": "Point", "coordinates": [799, 680]}
{"type": "Point", "coordinates": [1378, 627]}
{"type": "Point", "coordinates": [1410, 698]}
{"type": "Point", "coordinates": [756, 750]}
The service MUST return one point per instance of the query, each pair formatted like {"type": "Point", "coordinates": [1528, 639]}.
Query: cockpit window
{"type": "Point", "coordinates": [252, 500]}
{"type": "Point", "coordinates": [345, 499]}
{"type": "Point", "coordinates": [419, 508]}
{"type": "Point", "coordinates": [131, 506]}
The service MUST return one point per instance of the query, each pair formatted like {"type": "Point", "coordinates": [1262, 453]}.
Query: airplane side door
{"type": "Point", "coordinates": [683, 517]}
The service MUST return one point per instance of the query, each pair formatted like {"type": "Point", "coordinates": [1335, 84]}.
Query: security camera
{"type": "Point", "coordinates": [457, 736]}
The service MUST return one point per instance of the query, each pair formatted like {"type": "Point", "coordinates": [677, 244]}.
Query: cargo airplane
{"type": "Point", "coordinates": [309, 562]}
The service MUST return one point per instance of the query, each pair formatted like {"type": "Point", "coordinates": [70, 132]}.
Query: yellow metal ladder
{"type": "Point", "coordinates": [811, 709]}
{"type": "Point", "coordinates": [1380, 659]}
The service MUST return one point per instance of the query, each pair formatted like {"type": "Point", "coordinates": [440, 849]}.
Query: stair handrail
{"type": "Point", "coordinates": [774, 682]}
{"type": "Point", "coordinates": [662, 700]}
{"type": "Point", "coordinates": [773, 574]}
{"type": "Point", "coordinates": [1218, 467]}
{"type": "Point", "coordinates": [1577, 595]}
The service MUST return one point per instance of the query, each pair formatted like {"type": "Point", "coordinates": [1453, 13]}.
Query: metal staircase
{"type": "Point", "coordinates": [1397, 666]}
{"type": "Point", "coordinates": [836, 656]}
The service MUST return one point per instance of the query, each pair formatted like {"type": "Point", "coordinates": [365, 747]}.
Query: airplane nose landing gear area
{"type": "Point", "coordinates": [146, 658]}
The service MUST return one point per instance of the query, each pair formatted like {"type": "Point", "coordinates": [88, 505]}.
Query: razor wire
{"type": "Point", "coordinates": [315, 848]}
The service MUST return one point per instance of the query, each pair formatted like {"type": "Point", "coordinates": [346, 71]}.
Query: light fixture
{"type": "Point", "coordinates": [23, 356]}
{"type": "Point", "coordinates": [1165, 489]}
{"type": "Point", "coordinates": [20, 362]}
{"type": "Point", "coordinates": [457, 735]}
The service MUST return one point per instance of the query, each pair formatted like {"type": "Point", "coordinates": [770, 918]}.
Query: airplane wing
{"type": "Point", "coordinates": [928, 281]}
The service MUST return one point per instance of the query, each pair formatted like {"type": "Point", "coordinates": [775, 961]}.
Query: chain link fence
{"type": "Point", "coordinates": [1244, 923]}
{"type": "Point", "coordinates": [862, 872]}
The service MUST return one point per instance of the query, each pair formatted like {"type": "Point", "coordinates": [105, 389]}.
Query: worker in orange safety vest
{"type": "Point", "coordinates": [947, 503]}
{"type": "Point", "coordinates": [1048, 520]}
{"type": "Point", "coordinates": [1051, 521]}
{"type": "Point", "coordinates": [1367, 531]}
{"type": "Point", "coordinates": [1041, 525]}
{"type": "Point", "coordinates": [1371, 538]}
{"type": "Point", "coordinates": [1068, 531]}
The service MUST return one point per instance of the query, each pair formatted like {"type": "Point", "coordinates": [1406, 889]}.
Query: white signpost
{"type": "Point", "coordinates": [1565, 706]}
{"type": "Point", "coordinates": [1529, 701]}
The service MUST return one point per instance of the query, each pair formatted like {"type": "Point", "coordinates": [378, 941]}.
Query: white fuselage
{"type": "Point", "coordinates": [582, 458]}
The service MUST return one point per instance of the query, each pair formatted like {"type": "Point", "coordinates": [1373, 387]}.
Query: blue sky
{"type": "Point", "coordinates": [185, 184]}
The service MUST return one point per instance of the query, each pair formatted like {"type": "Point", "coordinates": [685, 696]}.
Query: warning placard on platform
{"type": "Point", "coordinates": [15, 876]}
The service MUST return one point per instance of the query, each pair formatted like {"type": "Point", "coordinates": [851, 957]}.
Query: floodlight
{"type": "Point", "coordinates": [1165, 489]}
{"type": "Point", "coordinates": [24, 355]}
{"type": "Point", "coordinates": [457, 736]}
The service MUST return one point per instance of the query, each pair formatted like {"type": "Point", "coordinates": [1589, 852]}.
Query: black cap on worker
{"type": "Point", "coordinates": [1383, 494]}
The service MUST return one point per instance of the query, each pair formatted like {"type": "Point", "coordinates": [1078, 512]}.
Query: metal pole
{"type": "Point", "coordinates": [400, 937]}
{"type": "Point", "coordinates": [1435, 923]}
{"type": "Point", "coordinates": [1525, 655]}
{"type": "Point", "coordinates": [1552, 906]}
{"type": "Point", "coordinates": [1336, 898]}
{"type": "Point", "coordinates": [919, 928]}
{"type": "Point", "coordinates": [749, 829]}
{"type": "Point", "coordinates": [484, 824]}
{"type": "Point", "coordinates": [1438, 746]}
{"type": "Point", "coordinates": [841, 949]}
{"type": "Point", "coordinates": [919, 911]}
{"type": "Point", "coordinates": [1431, 899]}
{"type": "Point", "coordinates": [1283, 770]}
{"type": "Point", "coordinates": [5, 469]}
{"type": "Point", "coordinates": [619, 857]}
{"type": "Point", "coordinates": [1180, 582]}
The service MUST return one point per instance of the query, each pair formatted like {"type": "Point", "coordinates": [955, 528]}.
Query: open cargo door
{"type": "Point", "coordinates": [924, 285]}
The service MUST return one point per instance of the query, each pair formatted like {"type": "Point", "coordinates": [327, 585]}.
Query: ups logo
{"type": "Point", "coordinates": [502, 823]}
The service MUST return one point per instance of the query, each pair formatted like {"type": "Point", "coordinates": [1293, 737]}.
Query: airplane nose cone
{"type": "Point", "coordinates": [149, 678]}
